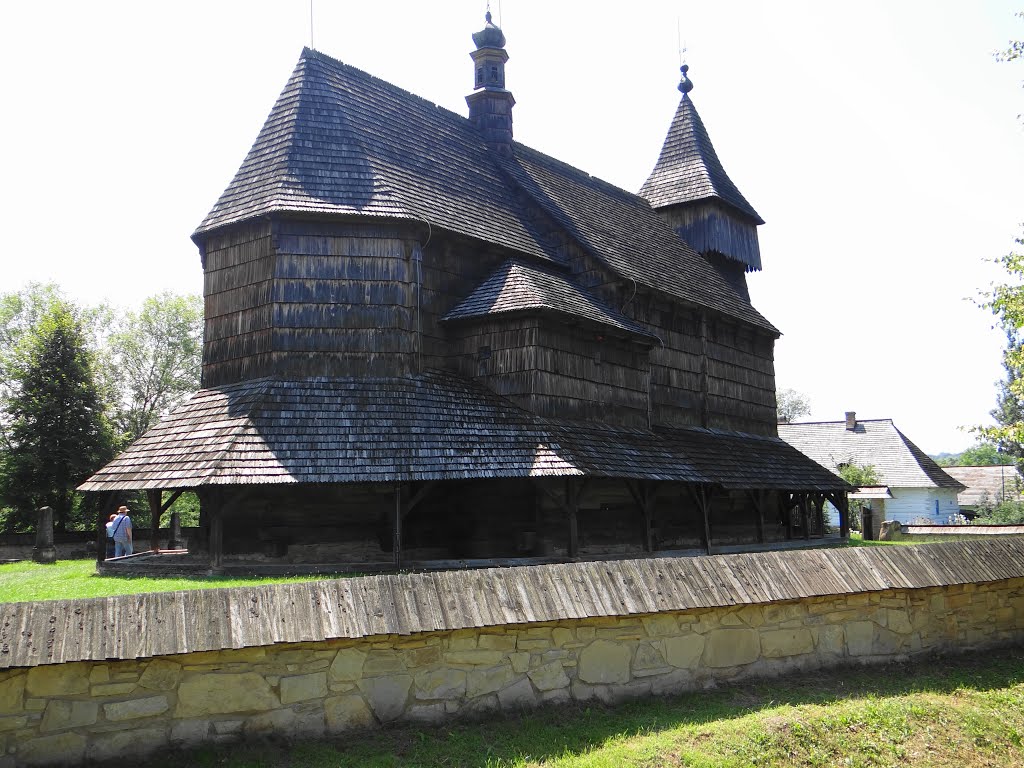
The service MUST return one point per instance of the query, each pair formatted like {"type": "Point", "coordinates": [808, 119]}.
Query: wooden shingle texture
{"type": "Point", "coordinates": [876, 442]}
{"type": "Point", "coordinates": [518, 287]}
{"type": "Point", "coordinates": [434, 426]}
{"type": "Point", "coordinates": [688, 169]}
{"type": "Point", "coordinates": [148, 625]}
{"type": "Point", "coordinates": [338, 142]}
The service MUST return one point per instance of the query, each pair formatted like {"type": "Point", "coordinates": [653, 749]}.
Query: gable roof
{"type": "Point", "coordinates": [518, 287]}
{"type": "Point", "coordinates": [688, 168]}
{"type": "Point", "coordinates": [434, 426]}
{"type": "Point", "coordinates": [338, 141]}
{"type": "Point", "coordinates": [875, 442]}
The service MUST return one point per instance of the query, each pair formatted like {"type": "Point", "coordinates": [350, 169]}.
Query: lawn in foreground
{"type": "Point", "coordinates": [70, 579]}
{"type": "Point", "coordinates": [965, 711]}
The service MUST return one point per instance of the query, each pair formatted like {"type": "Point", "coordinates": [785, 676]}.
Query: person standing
{"type": "Point", "coordinates": [110, 535]}
{"type": "Point", "coordinates": [122, 532]}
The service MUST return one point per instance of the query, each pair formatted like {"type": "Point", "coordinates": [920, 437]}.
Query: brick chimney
{"type": "Point", "coordinates": [851, 420]}
{"type": "Point", "coordinates": [490, 105]}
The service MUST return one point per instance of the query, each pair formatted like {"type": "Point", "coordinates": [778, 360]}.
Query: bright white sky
{"type": "Point", "coordinates": [878, 139]}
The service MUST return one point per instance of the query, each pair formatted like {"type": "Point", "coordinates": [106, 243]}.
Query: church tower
{"type": "Point", "coordinates": [691, 191]}
{"type": "Point", "coordinates": [490, 104]}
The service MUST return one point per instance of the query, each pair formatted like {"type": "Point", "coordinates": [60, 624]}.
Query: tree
{"type": "Point", "coordinates": [792, 405]}
{"type": "Point", "coordinates": [155, 357]}
{"type": "Point", "coordinates": [858, 475]}
{"type": "Point", "coordinates": [1006, 302]}
{"type": "Point", "coordinates": [57, 433]}
{"type": "Point", "coordinates": [981, 454]}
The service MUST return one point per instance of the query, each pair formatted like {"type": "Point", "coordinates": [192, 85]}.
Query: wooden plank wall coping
{"type": "Point", "coordinates": [143, 626]}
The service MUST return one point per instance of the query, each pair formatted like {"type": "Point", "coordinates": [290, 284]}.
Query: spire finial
{"type": "Point", "coordinates": [685, 83]}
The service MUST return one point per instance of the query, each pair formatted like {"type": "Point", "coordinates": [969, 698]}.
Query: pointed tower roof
{"type": "Point", "coordinates": [688, 169]}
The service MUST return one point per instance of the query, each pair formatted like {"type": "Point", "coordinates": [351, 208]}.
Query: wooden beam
{"type": "Point", "coordinates": [216, 529]}
{"type": "Point", "coordinates": [805, 521]}
{"type": "Point", "coordinates": [417, 497]}
{"type": "Point", "coordinates": [153, 497]}
{"type": "Point", "coordinates": [572, 493]}
{"type": "Point", "coordinates": [788, 502]}
{"type": "Point", "coordinates": [170, 500]}
{"type": "Point", "coordinates": [702, 495]}
{"type": "Point", "coordinates": [396, 547]}
{"type": "Point", "coordinates": [819, 513]}
{"type": "Point", "coordinates": [758, 499]}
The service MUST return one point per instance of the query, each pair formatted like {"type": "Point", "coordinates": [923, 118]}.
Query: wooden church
{"type": "Point", "coordinates": [426, 343]}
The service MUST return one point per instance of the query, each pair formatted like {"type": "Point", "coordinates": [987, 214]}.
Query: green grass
{"type": "Point", "coordinates": [966, 712]}
{"type": "Point", "coordinates": [69, 579]}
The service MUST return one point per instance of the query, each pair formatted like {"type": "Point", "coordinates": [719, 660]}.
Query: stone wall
{"type": "Point", "coordinates": [90, 710]}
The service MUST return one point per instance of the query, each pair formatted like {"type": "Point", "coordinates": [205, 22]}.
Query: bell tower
{"type": "Point", "coordinates": [490, 104]}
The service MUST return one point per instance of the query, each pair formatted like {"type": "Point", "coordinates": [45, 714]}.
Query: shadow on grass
{"type": "Point", "coordinates": [545, 734]}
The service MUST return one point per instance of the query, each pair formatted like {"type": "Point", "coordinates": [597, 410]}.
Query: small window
{"type": "Point", "coordinates": [936, 507]}
{"type": "Point", "coordinates": [480, 76]}
{"type": "Point", "coordinates": [494, 74]}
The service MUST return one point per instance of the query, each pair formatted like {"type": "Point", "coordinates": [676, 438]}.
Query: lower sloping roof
{"type": "Point", "coordinates": [433, 426]}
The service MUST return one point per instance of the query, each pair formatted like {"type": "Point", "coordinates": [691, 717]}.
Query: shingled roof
{"type": "Point", "coordinates": [875, 442]}
{"type": "Point", "coordinates": [517, 287]}
{"type": "Point", "coordinates": [338, 142]}
{"type": "Point", "coordinates": [688, 169]}
{"type": "Point", "coordinates": [434, 426]}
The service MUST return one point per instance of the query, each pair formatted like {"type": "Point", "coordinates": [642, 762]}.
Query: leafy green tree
{"type": "Point", "coordinates": [792, 405]}
{"type": "Point", "coordinates": [858, 475]}
{"type": "Point", "coordinates": [154, 360]}
{"type": "Point", "coordinates": [981, 454]}
{"type": "Point", "coordinates": [57, 433]}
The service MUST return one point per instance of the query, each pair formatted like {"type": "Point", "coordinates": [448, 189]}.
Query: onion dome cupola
{"type": "Point", "coordinates": [490, 104]}
{"type": "Point", "coordinates": [692, 192]}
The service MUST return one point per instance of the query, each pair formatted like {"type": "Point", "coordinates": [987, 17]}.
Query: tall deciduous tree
{"type": "Point", "coordinates": [156, 356]}
{"type": "Point", "coordinates": [792, 405]}
{"type": "Point", "coordinates": [1006, 302]}
{"type": "Point", "coordinates": [57, 433]}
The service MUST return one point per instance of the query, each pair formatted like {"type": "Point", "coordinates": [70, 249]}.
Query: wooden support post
{"type": "Point", "coordinates": [217, 529]}
{"type": "Point", "coordinates": [645, 496]}
{"type": "Point", "coordinates": [758, 499]}
{"type": "Point", "coordinates": [396, 546]}
{"type": "Point", "coordinates": [788, 501]}
{"type": "Point", "coordinates": [571, 508]}
{"type": "Point", "coordinates": [154, 498]}
{"type": "Point", "coordinates": [842, 503]}
{"type": "Point", "coordinates": [702, 495]}
{"type": "Point", "coordinates": [819, 513]}
{"type": "Point", "coordinates": [805, 522]}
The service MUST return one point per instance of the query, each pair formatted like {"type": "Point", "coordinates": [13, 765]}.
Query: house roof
{"type": "Point", "coordinates": [688, 169]}
{"type": "Point", "coordinates": [875, 442]}
{"type": "Point", "coordinates": [518, 287]}
{"type": "Point", "coordinates": [338, 141]}
{"type": "Point", "coordinates": [990, 484]}
{"type": "Point", "coordinates": [435, 426]}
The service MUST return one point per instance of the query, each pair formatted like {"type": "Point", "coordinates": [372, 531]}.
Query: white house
{"type": "Point", "coordinates": [912, 487]}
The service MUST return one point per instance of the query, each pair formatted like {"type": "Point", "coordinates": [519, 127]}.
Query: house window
{"type": "Point", "coordinates": [936, 507]}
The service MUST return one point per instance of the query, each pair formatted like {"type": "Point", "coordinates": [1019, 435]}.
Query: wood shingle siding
{"type": "Point", "coordinates": [160, 624]}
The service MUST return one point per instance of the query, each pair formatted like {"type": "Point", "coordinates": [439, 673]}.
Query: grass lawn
{"type": "Point", "coordinates": [964, 711]}
{"type": "Point", "coordinates": [67, 579]}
